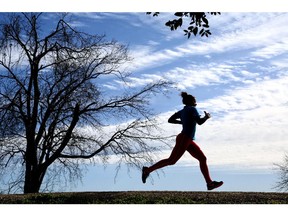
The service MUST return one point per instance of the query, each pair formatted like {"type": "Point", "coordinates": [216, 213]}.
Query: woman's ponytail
{"type": "Point", "coordinates": [188, 99]}
{"type": "Point", "coordinates": [184, 94]}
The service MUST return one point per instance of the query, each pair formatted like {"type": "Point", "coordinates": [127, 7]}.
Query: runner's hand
{"type": "Point", "coordinates": [207, 115]}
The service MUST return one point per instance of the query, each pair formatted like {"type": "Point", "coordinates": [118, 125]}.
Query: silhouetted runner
{"type": "Point", "coordinates": [188, 117]}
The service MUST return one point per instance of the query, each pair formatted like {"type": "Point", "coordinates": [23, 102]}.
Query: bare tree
{"type": "Point", "coordinates": [282, 184]}
{"type": "Point", "coordinates": [49, 93]}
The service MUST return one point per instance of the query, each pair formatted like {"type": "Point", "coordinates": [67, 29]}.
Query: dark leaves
{"type": "Point", "coordinates": [179, 14]}
{"type": "Point", "coordinates": [174, 24]}
{"type": "Point", "coordinates": [198, 22]}
{"type": "Point", "coordinates": [154, 14]}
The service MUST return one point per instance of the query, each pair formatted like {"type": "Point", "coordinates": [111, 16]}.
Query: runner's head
{"type": "Point", "coordinates": [188, 99]}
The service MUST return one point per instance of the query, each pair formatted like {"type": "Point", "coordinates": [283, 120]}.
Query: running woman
{"type": "Point", "coordinates": [188, 117]}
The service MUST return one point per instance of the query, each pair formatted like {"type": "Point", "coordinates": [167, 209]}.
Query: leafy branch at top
{"type": "Point", "coordinates": [199, 23]}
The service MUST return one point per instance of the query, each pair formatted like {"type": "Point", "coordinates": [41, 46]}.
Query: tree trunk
{"type": "Point", "coordinates": [33, 179]}
{"type": "Point", "coordinates": [32, 183]}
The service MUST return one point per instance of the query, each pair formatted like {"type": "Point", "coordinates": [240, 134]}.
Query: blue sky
{"type": "Point", "coordinates": [238, 74]}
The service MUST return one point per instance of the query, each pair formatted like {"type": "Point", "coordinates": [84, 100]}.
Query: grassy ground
{"type": "Point", "coordinates": [147, 197]}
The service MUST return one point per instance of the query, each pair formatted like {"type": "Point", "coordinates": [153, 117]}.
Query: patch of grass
{"type": "Point", "coordinates": [147, 197]}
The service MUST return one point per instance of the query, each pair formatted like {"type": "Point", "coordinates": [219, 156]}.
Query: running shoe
{"type": "Point", "coordinates": [214, 184]}
{"type": "Point", "coordinates": [145, 174]}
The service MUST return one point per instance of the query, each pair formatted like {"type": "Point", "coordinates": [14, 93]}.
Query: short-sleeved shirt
{"type": "Point", "coordinates": [189, 117]}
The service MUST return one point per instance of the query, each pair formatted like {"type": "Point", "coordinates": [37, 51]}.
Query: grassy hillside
{"type": "Point", "coordinates": [147, 197]}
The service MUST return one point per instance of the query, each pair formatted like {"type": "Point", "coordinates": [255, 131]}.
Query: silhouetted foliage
{"type": "Point", "coordinates": [198, 22]}
{"type": "Point", "coordinates": [50, 94]}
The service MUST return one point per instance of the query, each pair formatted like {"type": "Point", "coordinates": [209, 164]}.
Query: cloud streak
{"type": "Point", "coordinates": [246, 59]}
{"type": "Point", "coordinates": [249, 121]}
{"type": "Point", "coordinates": [259, 44]}
{"type": "Point", "coordinates": [267, 37]}
{"type": "Point", "coordinates": [248, 128]}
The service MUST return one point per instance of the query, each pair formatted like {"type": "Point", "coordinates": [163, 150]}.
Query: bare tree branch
{"type": "Point", "coordinates": [282, 184]}
{"type": "Point", "coordinates": [49, 92]}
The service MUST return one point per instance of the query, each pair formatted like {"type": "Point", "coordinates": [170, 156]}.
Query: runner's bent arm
{"type": "Point", "coordinates": [200, 120]}
{"type": "Point", "coordinates": [174, 119]}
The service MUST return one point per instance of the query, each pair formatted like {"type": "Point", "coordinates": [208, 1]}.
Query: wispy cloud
{"type": "Point", "coordinates": [258, 31]}
{"type": "Point", "coordinates": [265, 93]}
{"type": "Point", "coordinates": [201, 75]}
{"type": "Point", "coordinates": [247, 58]}
{"type": "Point", "coordinates": [269, 51]}
{"type": "Point", "coordinates": [248, 128]}
{"type": "Point", "coordinates": [259, 39]}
